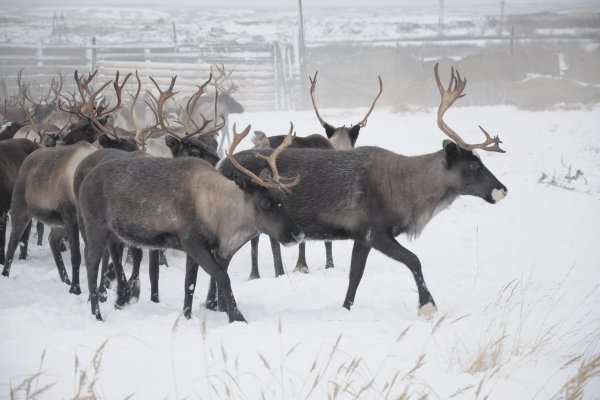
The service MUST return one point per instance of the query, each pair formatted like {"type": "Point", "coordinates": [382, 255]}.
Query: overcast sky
{"type": "Point", "coordinates": [553, 4]}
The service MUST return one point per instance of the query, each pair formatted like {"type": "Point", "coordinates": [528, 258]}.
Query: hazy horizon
{"type": "Point", "coordinates": [539, 6]}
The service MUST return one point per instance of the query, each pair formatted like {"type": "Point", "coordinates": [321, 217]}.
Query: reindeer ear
{"type": "Point", "coordinates": [329, 130]}
{"type": "Point", "coordinates": [104, 141]}
{"type": "Point", "coordinates": [243, 182]}
{"type": "Point", "coordinates": [171, 143]}
{"type": "Point", "coordinates": [265, 174]}
{"type": "Point", "coordinates": [452, 151]}
{"type": "Point", "coordinates": [354, 131]}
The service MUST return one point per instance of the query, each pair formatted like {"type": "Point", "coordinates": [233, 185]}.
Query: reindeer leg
{"type": "Point", "coordinates": [70, 219]}
{"type": "Point", "coordinates": [360, 252]}
{"type": "Point", "coordinates": [254, 274]}
{"type": "Point", "coordinates": [301, 263]}
{"type": "Point", "coordinates": [211, 296]}
{"type": "Point", "coordinates": [3, 220]}
{"type": "Point", "coordinates": [123, 291]}
{"type": "Point", "coordinates": [277, 262]}
{"type": "Point", "coordinates": [96, 240]}
{"type": "Point", "coordinates": [40, 232]}
{"type": "Point", "coordinates": [104, 279]}
{"type": "Point", "coordinates": [19, 224]}
{"type": "Point", "coordinates": [154, 273]}
{"type": "Point", "coordinates": [25, 242]}
{"type": "Point", "coordinates": [134, 279]}
{"type": "Point", "coordinates": [55, 240]}
{"type": "Point", "coordinates": [328, 255]}
{"type": "Point", "coordinates": [217, 270]}
{"type": "Point", "coordinates": [391, 248]}
{"type": "Point", "coordinates": [191, 275]}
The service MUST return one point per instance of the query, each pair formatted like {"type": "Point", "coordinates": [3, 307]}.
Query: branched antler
{"type": "Point", "coordinates": [191, 128]}
{"type": "Point", "coordinates": [449, 96]}
{"type": "Point", "coordinates": [277, 181]}
{"type": "Point", "coordinates": [362, 123]}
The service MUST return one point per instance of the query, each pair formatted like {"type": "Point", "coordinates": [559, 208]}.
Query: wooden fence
{"type": "Point", "coordinates": [266, 74]}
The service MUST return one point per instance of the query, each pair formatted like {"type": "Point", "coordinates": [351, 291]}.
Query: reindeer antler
{"type": "Point", "coordinates": [363, 122]}
{"type": "Point", "coordinates": [449, 96]}
{"type": "Point", "coordinates": [187, 122]}
{"type": "Point", "coordinates": [221, 78]}
{"type": "Point", "coordinates": [313, 83]}
{"type": "Point", "coordinates": [277, 181]}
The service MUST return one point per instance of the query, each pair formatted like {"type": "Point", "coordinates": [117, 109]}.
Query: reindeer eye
{"type": "Point", "coordinates": [265, 204]}
{"type": "Point", "coordinates": [474, 166]}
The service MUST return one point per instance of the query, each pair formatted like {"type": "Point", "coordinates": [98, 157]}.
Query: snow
{"type": "Point", "coordinates": [516, 287]}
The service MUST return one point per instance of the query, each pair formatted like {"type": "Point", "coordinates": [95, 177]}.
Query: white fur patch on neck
{"type": "Point", "coordinates": [498, 194]}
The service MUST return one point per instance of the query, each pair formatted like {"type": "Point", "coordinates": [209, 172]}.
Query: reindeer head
{"type": "Point", "coordinates": [268, 191]}
{"type": "Point", "coordinates": [342, 138]}
{"type": "Point", "coordinates": [472, 176]}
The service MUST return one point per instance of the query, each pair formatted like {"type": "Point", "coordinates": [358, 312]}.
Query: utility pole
{"type": "Point", "coordinates": [302, 58]}
{"type": "Point", "coordinates": [441, 19]}
{"type": "Point", "coordinates": [501, 25]}
{"type": "Point", "coordinates": [174, 36]}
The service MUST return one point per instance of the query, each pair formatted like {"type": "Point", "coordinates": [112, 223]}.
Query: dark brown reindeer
{"type": "Point", "coordinates": [340, 138]}
{"type": "Point", "coordinates": [12, 154]}
{"type": "Point", "coordinates": [371, 195]}
{"type": "Point", "coordinates": [196, 209]}
{"type": "Point", "coordinates": [44, 187]}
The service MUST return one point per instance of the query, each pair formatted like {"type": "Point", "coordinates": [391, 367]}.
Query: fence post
{"type": "Point", "coordinates": [39, 54]}
{"type": "Point", "coordinates": [92, 55]}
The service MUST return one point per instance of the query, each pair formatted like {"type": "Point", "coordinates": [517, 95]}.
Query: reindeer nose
{"type": "Point", "coordinates": [499, 194]}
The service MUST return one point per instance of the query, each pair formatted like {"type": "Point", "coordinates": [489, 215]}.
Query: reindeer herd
{"type": "Point", "coordinates": [86, 167]}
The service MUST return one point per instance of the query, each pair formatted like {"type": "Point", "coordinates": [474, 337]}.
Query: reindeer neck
{"type": "Point", "coordinates": [420, 187]}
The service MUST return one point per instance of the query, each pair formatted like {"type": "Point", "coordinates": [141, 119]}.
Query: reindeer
{"type": "Point", "coordinates": [12, 154]}
{"type": "Point", "coordinates": [371, 195]}
{"type": "Point", "coordinates": [221, 103]}
{"type": "Point", "coordinates": [44, 187]}
{"type": "Point", "coordinates": [191, 130]}
{"type": "Point", "coordinates": [195, 209]}
{"type": "Point", "coordinates": [341, 138]}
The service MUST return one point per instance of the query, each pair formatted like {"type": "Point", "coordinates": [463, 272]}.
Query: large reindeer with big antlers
{"type": "Point", "coordinates": [371, 195]}
{"type": "Point", "coordinates": [340, 138]}
{"type": "Point", "coordinates": [195, 209]}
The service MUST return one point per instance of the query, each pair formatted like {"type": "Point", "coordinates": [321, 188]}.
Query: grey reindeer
{"type": "Point", "coordinates": [371, 195]}
{"type": "Point", "coordinates": [44, 187]}
{"type": "Point", "coordinates": [340, 138]}
{"type": "Point", "coordinates": [182, 144]}
{"type": "Point", "coordinates": [195, 209]}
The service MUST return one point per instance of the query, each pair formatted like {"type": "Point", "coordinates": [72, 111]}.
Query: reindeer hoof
{"type": "Point", "coordinates": [123, 297]}
{"type": "Point", "coordinates": [253, 276]}
{"type": "Point", "coordinates": [302, 268]}
{"type": "Point", "coordinates": [154, 298]}
{"type": "Point", "coordinates": [237, 317]}
{"type": "Point", "coordinates": [5, 273]}
{"type": "Point", "coordinates": [427, 310]}
{"type": "Point", "coordinates": [134, 288]}
{"type": "Point", "coordinates": [329, 265]}
{"type": "Point", "coordinates": [211, 305]}
{"type": "Point", "coordinates": [75, 289]}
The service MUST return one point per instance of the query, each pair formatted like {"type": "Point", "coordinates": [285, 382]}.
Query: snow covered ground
{"type": "Point", "coordinates": [516, 286]}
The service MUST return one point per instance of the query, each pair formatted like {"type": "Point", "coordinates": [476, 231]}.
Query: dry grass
{"type": "Point", "coordinates": [516, 329]}
{"type": "Point", "coordinates": [573, 389]}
